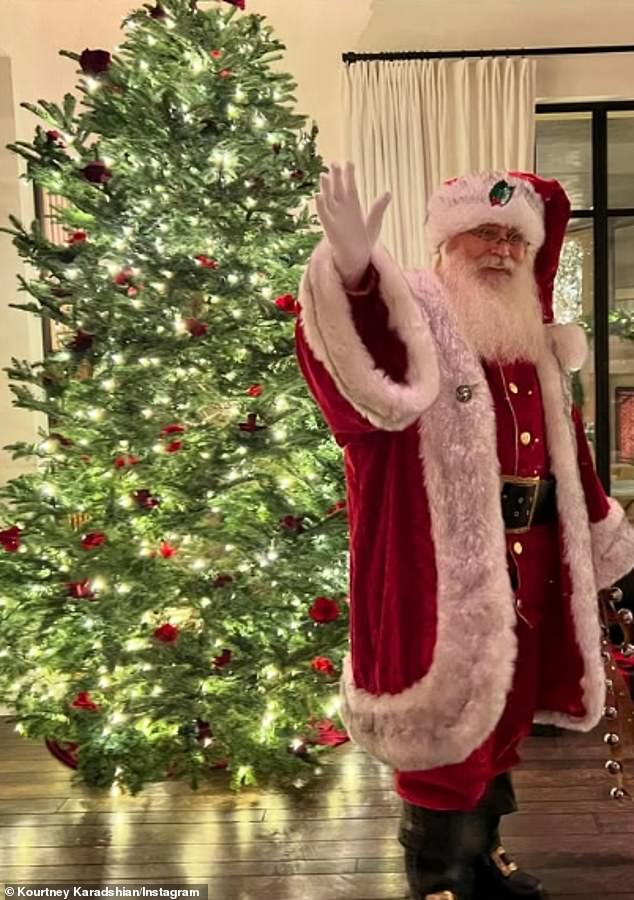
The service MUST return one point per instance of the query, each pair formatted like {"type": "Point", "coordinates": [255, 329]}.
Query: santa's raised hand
{"type": "Point", "coordinates": [350, 233]}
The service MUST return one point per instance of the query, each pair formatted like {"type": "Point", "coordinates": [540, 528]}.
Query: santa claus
{"type": "Point", "coordinates": [479, 531]}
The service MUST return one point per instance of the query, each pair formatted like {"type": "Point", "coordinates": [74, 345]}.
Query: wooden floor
{"type": "Point", "coordinates": [335, 841]}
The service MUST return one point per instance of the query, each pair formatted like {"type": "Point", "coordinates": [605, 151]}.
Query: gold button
{"type": "Point", "coordinates": [514, 388]}
{"type": "Point", "coordinates": [517, 548]}
{"type": "Point", "coordinates": [525, 438]}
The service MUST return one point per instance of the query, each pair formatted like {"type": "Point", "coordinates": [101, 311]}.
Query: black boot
{"type": "Point", "coordinates": [441, 849]}
{"type": "Point", "coordinates": [497, 875]}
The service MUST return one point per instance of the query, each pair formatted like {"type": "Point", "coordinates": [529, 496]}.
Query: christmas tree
{"type": "Point", "coordinates": [173, 570]}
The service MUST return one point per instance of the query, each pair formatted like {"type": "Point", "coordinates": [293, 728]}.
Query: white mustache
{"type": "Point", "coordinates": [496, 262]}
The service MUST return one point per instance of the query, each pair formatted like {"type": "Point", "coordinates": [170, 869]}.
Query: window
{"type": "Point", "coordinates": [589, 148]}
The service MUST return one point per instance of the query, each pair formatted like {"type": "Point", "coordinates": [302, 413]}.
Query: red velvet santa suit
{"type": "Point", "coordinates": [435, 676]}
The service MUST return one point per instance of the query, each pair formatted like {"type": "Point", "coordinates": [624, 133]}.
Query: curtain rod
{"type": "Point", "coordinates": [387, 56]}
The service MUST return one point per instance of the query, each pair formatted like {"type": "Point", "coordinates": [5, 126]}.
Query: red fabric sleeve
{"type": "Point", "coordinates": [370, 317]}
{"type": "Point", "coordinates": [597, 502]}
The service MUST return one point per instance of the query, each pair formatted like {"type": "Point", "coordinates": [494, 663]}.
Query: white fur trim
{"type": "Point", "coordinates": [573, 516]}
{"type": "Point", "coordinates": [612, 546]}
{"type": "Point", "coordinates": [332, 337]}
{"type": "Point", "coordinates": [447, 714]}
{"type": "Point", "coordinates": [570, 344]}
{"type": "Point", "coordinates": [464, 203]}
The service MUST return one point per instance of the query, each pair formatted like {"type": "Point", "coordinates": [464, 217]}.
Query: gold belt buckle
{"type": "Point", "coordinates": [525, 482]}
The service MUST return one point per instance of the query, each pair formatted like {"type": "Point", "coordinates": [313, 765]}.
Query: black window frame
{"type": "Point", "coordinates": [600, 214]}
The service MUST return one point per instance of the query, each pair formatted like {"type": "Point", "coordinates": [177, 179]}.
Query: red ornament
{"type": "Point", "coordinates": [206, 262]}
{"type": "Point", "coordinates": [174, 447]}
{"type": "Point", "coordinates": [54, 137]}
{"type": "Point", "coordinates": [95, 62]}
{"type": "Point", "coordinates": [80, 590]}
{"type": "Point", "coordinates": [83, 700]}
{"type": "Point", "coordinates": [97, 172]}
{"type": "Point", "coordinates": [122, 461]}
{"type": "Point", "coordinates": [77, 237]}
{"type": "Point", "coordinates": [288, 304]}
{"type": "Point", "coordinates": [196, 328]}
{"type": "Point", "coordinates": [124, 277]}
{"type": "Point", "coordinates": [223, 660]}
{"type": "Point", "coordinates": [10, 539]}
{"type": "Point", "coordinates": [166, 634]}
{"type": "Point", "coordinates": [339, 506]}
{"type": "Point", "coordinates": [292, 523]}
{"type": "Point", "coordinates": [296, 175]}
{"type": "Point", "coordinates": [238, 3]}
{"type": "Point", "coordinates": [222, 580]}
{"type": "Point", "coordinates": [145, 500]}
{"type": "Point", "coordinates": [255, 390]}
{"type": "Point", "coordinates": [324, 610]}
{"type": "Point", "coordinates": [82, 341]}
{"type": "Point", "coordinates": [166, 550]}
{"type": "Point", "coordinates": [323, 665]}
{"type": "Point", "coordinates": [328, 734]}
{"type": "Point", "coordinates": [215, 54]}
{"type": "Point", "coordinates": [173, 429]}
{"type": "Point", "coordinates": [250, 425]}
{"type": "Point", "coordinates": [225, 73]}
{"type": "Point", "coordinates": [93, 539]}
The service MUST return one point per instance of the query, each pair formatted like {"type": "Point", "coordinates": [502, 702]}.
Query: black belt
{"type": "Point", "coordinates": [528, 501]}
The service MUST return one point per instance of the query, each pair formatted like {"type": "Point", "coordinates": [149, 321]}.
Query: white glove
{"type": "Point", "coordinates": [350, 234]}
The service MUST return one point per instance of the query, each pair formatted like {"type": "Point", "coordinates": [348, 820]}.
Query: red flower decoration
{"type": "Point", "coordinates": [166, 550]}
{"type": "Point", "coordinates": [95, 62]}
{"type": "Point", "coordinates": [174, 447]}
{"type": "Point", "coordinates": [80, 590]}
{"type": "Point", "coordinates": [145, 500]}
{"type": "Point", "coordinates": [93, 539]}
{"type": "Point", "coordinates": [10, 539]}
{"type": "Point", "coordinates": [225, 73]}
{"type": "Point", "coordinates": [250, 425]}
{"type": "Point", "coordinates": [77, 237]}
{"type": "Point", "coordinates": [173, 429]}
{"type": "Point", "coordinates": [324, 610]}
{"type": "Point", "coordinates": [122, 461]}
{"type": "Point", "coordinates": [255, 390]}
{"type": "Point", "coordinates": [288, 304]}
{"type": "Point", "coordinates": [83, 700]}
{"type": "Point", "coordinates": [166, 634]}
{"type": "Point", "coordinates": [339, 506]}
{"type": "Point", "coordinates": [223, 660]}
{"type": "Point", "coordinates": [196, 328]}
{"type": "Point", "coordinates": [292, 523]}
{"type": "Point", "coordinates": [222, 580]}
{"type": "Point", "coordinates": [323, 665]}
{"type": "Point", "coordinates": [82, 340]}
{"type": "Point", "coordinates": [206, 262]}
{"type": "Point", "coordinates": [215, 54]}
{"type": "Point", "coordinates": [124, 277]}
{"type": "Point", "coordinates": [97, 172]}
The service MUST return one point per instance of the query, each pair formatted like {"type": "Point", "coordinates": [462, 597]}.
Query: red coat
{"type": "Point", "coordinates": [433, 617]}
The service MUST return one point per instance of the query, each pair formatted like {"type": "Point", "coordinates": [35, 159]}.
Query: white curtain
{"type": "Point", "coordinates": [410, 125]}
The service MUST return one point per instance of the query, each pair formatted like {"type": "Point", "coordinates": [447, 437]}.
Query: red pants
{"type": "Point", "coordinates": [535, 571]}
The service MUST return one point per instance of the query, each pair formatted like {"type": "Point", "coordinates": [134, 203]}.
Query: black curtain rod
{"type": "Point", "coordinates": [387, 56]}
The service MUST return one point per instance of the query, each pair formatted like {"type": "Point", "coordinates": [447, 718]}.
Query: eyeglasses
{"type": "Point", "coordinates": [490, 234]}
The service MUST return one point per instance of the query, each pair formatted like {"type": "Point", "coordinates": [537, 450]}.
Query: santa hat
{"type": "Point", "coordinates": [537, 207]}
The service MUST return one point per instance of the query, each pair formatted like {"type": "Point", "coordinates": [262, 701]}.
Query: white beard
{"type": "Point", "coordinates": [499, 314]}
